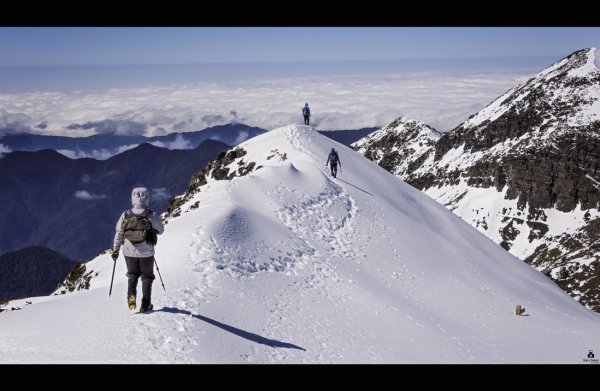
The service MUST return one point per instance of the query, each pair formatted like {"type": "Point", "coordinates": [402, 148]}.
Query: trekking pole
{"type": "Point", "coordinates": [113, 276]}
{"type": "Point", "coordinates": [158, 270]}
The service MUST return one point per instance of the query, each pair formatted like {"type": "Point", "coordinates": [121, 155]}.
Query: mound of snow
{"type": "Point", "coordinates": [288, 265]}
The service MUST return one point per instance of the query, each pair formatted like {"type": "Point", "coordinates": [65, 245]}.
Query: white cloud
{"type": "Point", "coordinates": [243, 136]}
{"type": "Point", "coordinates": [4, 149]}
{"type": "Point", "coordinates": [13, 121]}
{"type": "Point", "coordinates": [98, 154]}
{"type": "Point", "coordinates": [343, 102]}
{"type": "Point", "coordinates": [160, 193]}
{"type": "Point", "coordinates": [178, 143]}
{"type": "Point", "coordinates": [87, 196]}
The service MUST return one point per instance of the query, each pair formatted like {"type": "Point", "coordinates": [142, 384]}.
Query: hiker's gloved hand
{"type": "Point", "coordinates": [114, 255]}
{"type": "Point", "coordinates": [151, 237]}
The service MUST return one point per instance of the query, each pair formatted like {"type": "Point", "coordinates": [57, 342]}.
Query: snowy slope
{"type": "Point", "coordinates": [287, 265]}
{"type": "Point", "coordinates": [525, 171]}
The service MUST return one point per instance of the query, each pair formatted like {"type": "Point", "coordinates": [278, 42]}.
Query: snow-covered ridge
{"type": "Point", "coordinates": [400, 126]}
{"type": "Point", "coordinates": [523, 170]}
{"type": "Point", "coordinates": [574, 78]}
{"type": "Point", "coordinates": [288, 265]}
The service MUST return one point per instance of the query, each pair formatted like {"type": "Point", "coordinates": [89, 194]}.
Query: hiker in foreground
{"type": "Point", "coordinates": [136, 232]}
{"type": "Point", "coordinates": [333, 159]}
{"type": "Point", "coordinates": [306, 114]}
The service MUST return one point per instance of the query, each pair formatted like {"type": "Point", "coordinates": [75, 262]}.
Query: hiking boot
{"type": "Point", "coordinates": [147, 309]}
{"type": "Point", "coordinates": [131, 302]}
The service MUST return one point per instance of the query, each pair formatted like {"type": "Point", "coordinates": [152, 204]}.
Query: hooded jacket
{"type": "Point", "coordinates": [139, 200]}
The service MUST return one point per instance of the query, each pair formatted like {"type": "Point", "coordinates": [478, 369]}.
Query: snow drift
{"type": "Point", "coordinates": [288, 265]}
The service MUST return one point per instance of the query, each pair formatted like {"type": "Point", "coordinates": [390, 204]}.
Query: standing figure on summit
{"type": "Point", "coordinates": [306, 114]}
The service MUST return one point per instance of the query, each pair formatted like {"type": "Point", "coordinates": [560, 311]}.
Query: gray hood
{"type": "Point", "coordinates": [140, 198]}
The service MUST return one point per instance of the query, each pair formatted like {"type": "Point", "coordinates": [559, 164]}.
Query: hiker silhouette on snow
{"type": "Point", "coordinates": [136, 233]}
{"type": "Point", "coordinates": [333, 159]}
{"type": "Point", "coordinates": [306, 114]}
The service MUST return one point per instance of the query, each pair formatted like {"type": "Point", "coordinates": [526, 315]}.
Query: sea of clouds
{"type": "Point", "coordinates": [337, 102]}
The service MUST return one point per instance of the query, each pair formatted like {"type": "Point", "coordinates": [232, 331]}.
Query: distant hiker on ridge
{"type": "Point", "coordinates": [333, 159]}
{"type": "Point", "coordinates": [136, 231]}
{"type": "Point", "coordinates": [306, 114]}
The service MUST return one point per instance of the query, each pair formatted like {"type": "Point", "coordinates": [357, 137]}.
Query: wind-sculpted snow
{"type": "Point", "coordinates": [285, 264]}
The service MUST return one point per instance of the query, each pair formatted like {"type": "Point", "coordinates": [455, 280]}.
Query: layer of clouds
{"type": "Point", "coordinates": [344, 102]}
{"type": "Point", "coordinates": [14, 121]}
{"type": "Point", "coordinates": [4, 149]}
{"type": "Point", "coordinates": [98, 154]}
{"type": "Point", "coordinates": [178, 143]}
{"type": "Point", "coordinates": [121, 127]}
{"type": "Point", "coordinates": [87, 196]}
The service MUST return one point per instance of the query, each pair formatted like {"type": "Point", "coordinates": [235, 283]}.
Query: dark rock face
{"type": "Point", "coordinates": [539, 144]}
{"type": "Point", "coordinates": [562, 254]}
{"type": "Point", "coordinates": [546, 176]}
{"type": "Point", "coordinates": [400, 147]}
{"type": "Point", "coordinates": [546, 162]}
{"type": "Point", "coordinates": [77, 279]}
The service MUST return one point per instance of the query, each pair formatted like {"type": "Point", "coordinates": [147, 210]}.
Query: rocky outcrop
{"type": "Point", "coordinates": [521, 170]}
{"type": "Point", "coordinates": [218, 169]}
{"type": "Point", "coordinates": [400, 147]}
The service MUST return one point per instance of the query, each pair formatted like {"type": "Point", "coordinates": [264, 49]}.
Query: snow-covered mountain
{"type": "Point", "coordinates": [401, 146]}
{"type": "Point", "coordinates": [525, 171]}
{"type": "Point", "coordinates": [267, 259]}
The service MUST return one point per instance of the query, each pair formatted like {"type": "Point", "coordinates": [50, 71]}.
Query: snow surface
{"type": "Point", "coordinates": [288, 265]}
{"type": "Point", "coordinates": [488, 210]}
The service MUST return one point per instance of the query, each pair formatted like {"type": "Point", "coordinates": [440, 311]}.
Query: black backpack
{"type": "Point", "coordinates": [333, 158]}
{"type": "Point", "coordinates": [136, 227]}
{"type": "Point", "coordinates": [305, 111]}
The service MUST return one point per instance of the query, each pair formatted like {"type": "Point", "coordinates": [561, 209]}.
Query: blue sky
{"type": "Point", "coordinates": [178, 45]}
{"type": "Point", "coordinates": [352, 77]}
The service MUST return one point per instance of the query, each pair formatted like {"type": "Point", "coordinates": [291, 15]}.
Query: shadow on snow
{"type": "Point", "coordinates": [240, 333]}
{"type": "Point", "coordinates": [356, 187]}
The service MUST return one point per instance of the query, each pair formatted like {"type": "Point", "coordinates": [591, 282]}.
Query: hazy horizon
{"type": "Point", "coordinates": [155, 81]}
{"type": "Point", "coordinates": [66, 78]}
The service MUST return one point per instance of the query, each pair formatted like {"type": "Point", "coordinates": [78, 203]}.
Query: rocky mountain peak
{"type": "Point", "coordinates": [563, 97]}
{"type": "Point", "coordinates": [525, 171]}
{"type": "Point", "coordinates": [400, 144]}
